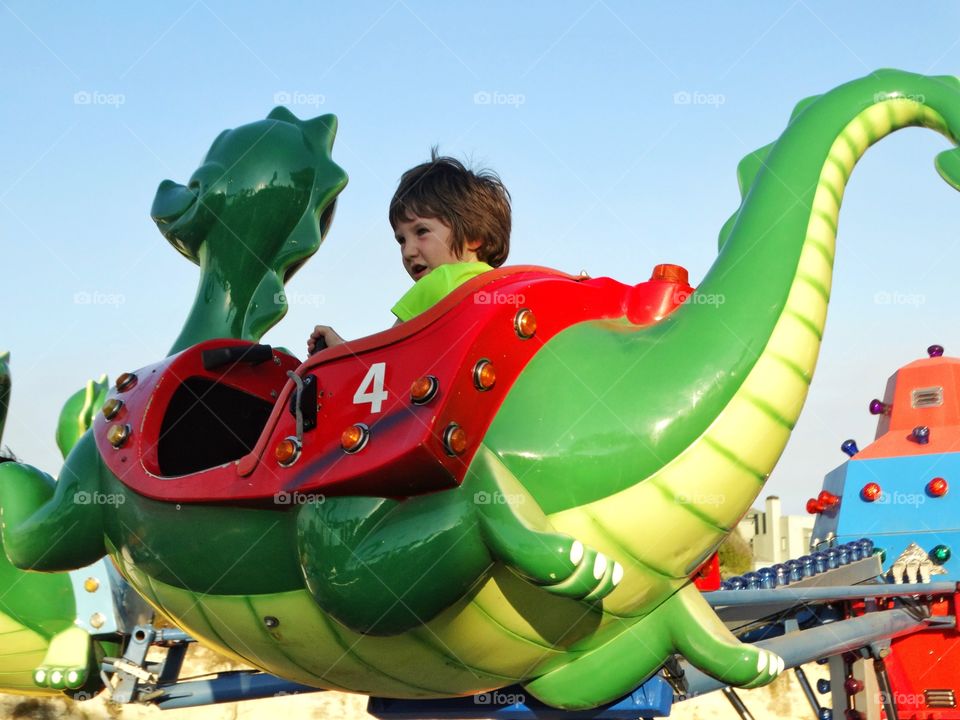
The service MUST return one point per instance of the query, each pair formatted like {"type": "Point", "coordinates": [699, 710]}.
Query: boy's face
{"type": "Point", "coordinates": [425, 244]}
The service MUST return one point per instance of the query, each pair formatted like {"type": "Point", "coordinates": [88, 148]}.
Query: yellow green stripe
{"type": "Point", "coordinates": [770, 411]}
{"type": "Point", "coordinates": [735, 459]}
{"type": "Point", "coordinates": [806, 322]}
{"type": "Point", "coordinates": [819, 245]}
{"type": "Point", "coordinates": [816, 285]}
{"type": "Point", "coordinates": [671, 497]}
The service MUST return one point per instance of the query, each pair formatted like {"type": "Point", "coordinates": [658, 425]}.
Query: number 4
{"type": "Point", "coordinates": [371, 388]}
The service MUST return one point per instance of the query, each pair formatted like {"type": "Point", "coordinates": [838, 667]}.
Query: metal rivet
{"type": "Point", "coordinates": [126, 381]}
{"type": "Point", "coordinates": [111, 407]}
{"type": "Point", "coordinates": [118, 434]}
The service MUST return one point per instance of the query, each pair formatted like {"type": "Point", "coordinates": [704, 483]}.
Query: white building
{"type": "Point", "coordinates": [773, 536]}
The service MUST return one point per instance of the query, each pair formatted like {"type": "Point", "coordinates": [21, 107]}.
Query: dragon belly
{"type": "Point", "coordinates": [21, 651]}
{"type": "Point", "coordinates": [505, 631]}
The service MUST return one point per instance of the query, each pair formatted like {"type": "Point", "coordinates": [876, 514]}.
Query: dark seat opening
{"type": "Point", "coordinates": [208, 424]}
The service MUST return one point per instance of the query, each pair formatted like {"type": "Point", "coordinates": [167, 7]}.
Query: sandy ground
{"type": "Point", "coordinates": [781, 699]}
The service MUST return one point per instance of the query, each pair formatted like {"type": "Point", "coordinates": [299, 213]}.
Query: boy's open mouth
{"type": "Point", "coordinates": [419, 270]}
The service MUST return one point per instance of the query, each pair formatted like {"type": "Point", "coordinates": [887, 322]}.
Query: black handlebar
{"type": "Point", "coordinates": [232, 354]}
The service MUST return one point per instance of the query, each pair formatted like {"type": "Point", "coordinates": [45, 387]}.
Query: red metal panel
{"type": "Point", "coordinates": [405, 454]}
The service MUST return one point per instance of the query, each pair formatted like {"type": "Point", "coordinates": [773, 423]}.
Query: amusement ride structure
{"type": "Point", "coordinates": [493, 496]}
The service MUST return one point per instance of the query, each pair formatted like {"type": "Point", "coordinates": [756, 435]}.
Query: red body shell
{"type": "Point", "coordinates": [405, 454]}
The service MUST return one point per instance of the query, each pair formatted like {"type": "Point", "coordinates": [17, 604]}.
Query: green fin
{"type": "Point", "coordinates": [749, 167]}
{"type": "Point", "coordinates": [726, 230]}
{"type": "Point", "coordinates": [76, 417]}
{"type": "Point", "coordinates": [322, 131]}
{"type": "Point", "coordinates": [803, 105]}
{"type": "Point", "coordinates": [283, 114]}
{"type": "Point", "coordinates": [747, 171]}
{"type": "Point", "coordinates": [948, 165]}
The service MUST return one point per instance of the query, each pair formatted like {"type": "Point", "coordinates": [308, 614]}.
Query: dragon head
{"type": "Point", "coordinates": [255, 210]}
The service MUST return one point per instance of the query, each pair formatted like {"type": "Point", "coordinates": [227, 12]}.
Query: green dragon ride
{"type": "Point", "coordinates": [629, 452]}
{"type": "Point", "coordinates": [40, 638]}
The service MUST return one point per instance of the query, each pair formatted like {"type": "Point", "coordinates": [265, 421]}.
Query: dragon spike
{"type": "Point", "coordinates": [948, 165]}
{"type": "Point", "coordinates": [320, 130]}
{"type": "Point", "coordinates": [726, 230]}
{"type": "Point", "coordinates": [76, 416]}
{"type": "Point", "coordinates": [748, 168]}
{"type": "Point", "coordinates": [803, 105]}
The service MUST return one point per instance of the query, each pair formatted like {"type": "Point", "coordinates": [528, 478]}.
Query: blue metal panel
{"type": "Point", "coordinates": [652, 699]}
{"type": "Point", "coordinates": [904, 513]}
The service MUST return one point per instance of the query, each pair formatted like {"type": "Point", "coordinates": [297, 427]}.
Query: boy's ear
{"type": "Point", "coordinates": [473, 244]}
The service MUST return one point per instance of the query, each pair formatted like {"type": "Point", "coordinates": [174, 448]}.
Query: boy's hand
{"type": "Point", "coordinates": [323, 336]}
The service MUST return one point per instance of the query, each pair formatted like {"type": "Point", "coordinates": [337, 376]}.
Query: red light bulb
{"type": "Point", "coordinates": [852, 686]}
{"type": "Point", "coordinates": [937, 487]}
{"type": "Point", "coordinates": [814, 506]}
{"type": "Point", "coordinates": [827, 499]}
{"type": "Point", "coordinates": [871, 491]}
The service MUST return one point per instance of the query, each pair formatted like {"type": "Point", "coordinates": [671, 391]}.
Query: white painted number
{"type": "Point", "coordinates": [371, 388]}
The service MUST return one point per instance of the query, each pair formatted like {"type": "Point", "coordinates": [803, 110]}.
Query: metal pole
{"type": "Point", "coordinates": [787, 594]}
{"type": "Point", "coordinates": [808, 691]}
{"type": "Point", "coordinates": [803, 646]}
{"type": "Point", "coordinates": [737, 703]}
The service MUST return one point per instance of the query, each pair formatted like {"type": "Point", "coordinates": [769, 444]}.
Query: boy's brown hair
{"type": "Point", "coordinates": [475, 204]}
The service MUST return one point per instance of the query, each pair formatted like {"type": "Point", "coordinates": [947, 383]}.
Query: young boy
{"type": "Point", "coordinates": [452, 224]}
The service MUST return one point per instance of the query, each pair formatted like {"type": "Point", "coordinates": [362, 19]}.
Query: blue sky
{"type": "Point", "coordinates": [578, 106]}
